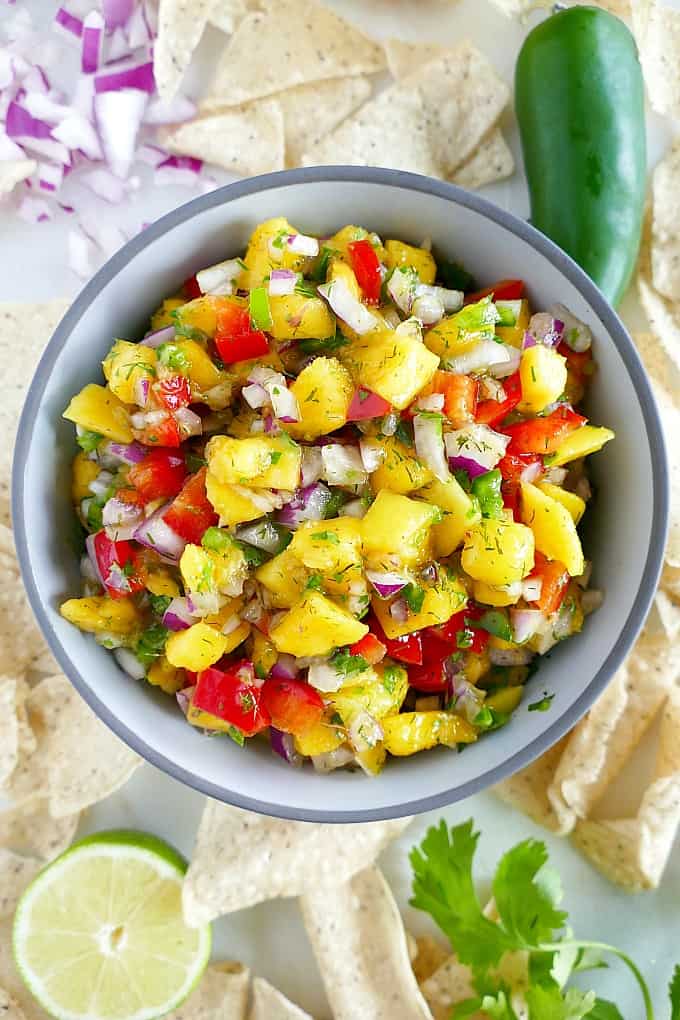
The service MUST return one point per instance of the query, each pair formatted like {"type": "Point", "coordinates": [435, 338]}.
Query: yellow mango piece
{"type": "Point", "coordinates": [393, 365]}
{"type": "Point", "coordinates": [201, 313]}
{"type": "Point", "coordinates": [234, 503]}
{"type": "Point", "coordinates": [202, 371]}
{"type": "Point", "coordinates": [300, 317]}
{"type": "Point", "coordinates": [494, 595]}
{"type": "Point", "coordinates": [98, 409]}
{"type": "Point", "coordinates": [321, 738]}
{"type": "Point", "coordinates": [207, 570]}
{"type": "Point", "coordinates": [505, 699]}
{"type": "Point", "coordinates": [400, 470]}
{"type": "Point", "coordinates": [163, 316]}
{"type": "Point", "coordinates": [447, 340]}
{"type": "Point", "coordinates": [263, 653]}
{"type": "Point", "coordinates": [475, 666]}
{"type": "Point", "coordinates": [284, 577]}
{"type": "Point", "coordinates": [259, 461]}
{"type": "Point", "coordinates": [324, 391]}
{"type": "Point", "coordinates": [443, 598]}
{"type": "Point", "coordinates": [315, 626]}
{"type": "Point", "coordinates": [580, 443]}
{"type": "Point", "coordinates": [340, 241]}
{"type": "Point", "coordinates": [396, 529]}
{"type": "Point", "coordinates": [460, 513]}
{"type": "Point", "coordinates": [514, 335]}
{"type": "Point", "coordinates": [259, 259]}
{"type": "Point", "coordinates": [195, 648]}
{"type": "Point", "coordinates": [553, 529]}
{"type": "Point", "coordinates": [373, 759]}
{"type": "Point", "coordinates": [498, 552]}
{"type": "Point", "coordinates": [166, 676]}
{"type": "Point", "coordinates": [99, 614]}
{"type": "Point", "coordinates": [381, 694]}
{"type": "Point", "coordinates": [411, 732]}
{"type": "Point", "coordinates": [569, 500]}
{"type": "Point", "coordinates": [125, 365]}
{"type": "Point", "coordinates": [399, 254]}
{"type": "Point", "coordinates": [159, 581]}
{"type": "Point", "coordinates": [543, 375]}
{"type": "Point", "coordinates": [83, 471]}
{"type": "Point", "coordinates": [328, 547]}
{"type": "Point", "coordinates": [236, 637]}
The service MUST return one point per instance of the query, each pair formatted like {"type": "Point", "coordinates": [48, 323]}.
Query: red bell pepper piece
{"type": "Point", "coordinates": [235, 338]}
{"type": "Point", "coordinates": [117, 566]}
{"type": "Point", "coordinates": [554, 579]}
{"type": "Point", "coordinates": [191, 513]}
{"type": "Point", "coordinates": [580, 363]}
{"type": "Point", "coordinates": [408, 648]}
{"type": "Point", "coordinates": [231, 694]}
{"type": "Point", "coordinates": [511, 468]}
{"type": "Point", "coordinates": [370, 648]}
{"type": "Point", "coordinates": [543, 435]}
{"type": "Point", "coordinates": [491, 412]}
{"type": "Point", "coordinates": [190, 289]}
{"type": "Point", "coordinates": [159, 476]}
{"type": "Point", "coordinates": [504, 290]}
{"type": "Point", "coordinates": [161, 433]}
{"type": "Point", "coordinates": [366, 266]}
{"type": "Point", "coordinates": [460, 632]}
{"type": "Point", "coordinates": [173, 392]}
{"type": "Point", "coordinates": [293, 706]}
{"type": "Point", "coordinates": [431, 676]}
{"type": "Point", "coordinates": [460, 396]}
{"type": "Point", "coordinates": [366, 404]}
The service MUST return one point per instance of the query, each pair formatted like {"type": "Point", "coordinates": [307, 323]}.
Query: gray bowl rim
{"type": "Point", "coordinates": [616, 330]}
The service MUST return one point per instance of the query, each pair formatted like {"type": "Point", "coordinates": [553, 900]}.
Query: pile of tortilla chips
{"type": "Point", "coordinates": [291, 89]}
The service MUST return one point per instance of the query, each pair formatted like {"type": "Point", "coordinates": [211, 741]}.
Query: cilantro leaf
{"type": "Point", "coordinates": [542, 705]}
{"type": "Point", "coordinates": [498, 1007]}
{"type": "Point", "coordinates": [674, 993]}
{"type": "Point", "coordinates": [548, 1003]}
{"type": "Point", "coordinates": [414, 596]}
{"type": "Point", "coordinates": [348, 665]}
{"type": "Point", "coordinates": [443, 887]}
{"type": "Point", "coordinates": [527, 892]}
{"type": "Point", "coordinates": [88, 441]}
{"type": "Point", "coordinates": [605, 1010]}
{"type": "Point", "coordinates": [159, 603]}
{"type": "Point", "coordinates": [151, 644]}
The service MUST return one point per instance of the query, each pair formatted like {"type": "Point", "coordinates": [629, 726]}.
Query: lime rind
{"type": "Point", "coordinates": [122, 845]}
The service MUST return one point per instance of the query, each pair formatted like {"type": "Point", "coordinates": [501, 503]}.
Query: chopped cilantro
{"type": "Point", "coordinates": [151, 644]}
{"type": "Point", "coordinates": [414, 596]}
{"type": "Point", "coordinates": [490, 718]}
{"type": "Point", "coordinates": [346, 664]}
{"type": "Point", "coordinates": [88, 441]}
{"type": "Point", "coordinates": [314, 582]}
{"type": "Point", "coordinates": [194, 463]}
{"type": "Point", "coordinates": [326, 536]}
{"type": "Point", "coordinates": [254, 557]}
{"type": "Point", "coordinates": [391, 676]}
{"type": "Point", "coordinates": [172, 356]}
{"type": "Point", "coordinates": [275, 456]}
{"type": "Point", "coordinates": [323, 346]}
{"type": "Point", "coordinates": [305, 288]}
{"type": "Point", "coordinates": [404, 432]}
{"type": "Point", "coordinates": [159, 603]}
{"type": "Point", "coordinates": [237, 735]}
{"type": "Point", "coordinates": [216, 539]}
{"type": "Point", "coordinates": [320, 270]}
{"type": "Point", "coordinates": [543, 705]}
{"type": "Point", "coordinates": [94, 516]}
{"type": "Point", "coordinates": [464, 638]}
{"type": "Point", "coordinates": [334, 504]}
{"type": "Point", "coordinates": [495, 622]}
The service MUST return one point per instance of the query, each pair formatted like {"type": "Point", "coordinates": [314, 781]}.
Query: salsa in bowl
{"type": "Point", "coordinates": [332, 497]}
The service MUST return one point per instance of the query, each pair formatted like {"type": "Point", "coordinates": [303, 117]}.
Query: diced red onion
{"type": "Point", "coordinates": [372, 453]}
{"type": "Point", "coordinates": [308, 504]}
{"type": "Point", "coordinates": [399, 610]}
{"type": "Point", "coordinates": [105, 185]}
{"type": "Point", "coordinates": [137, 76]}
{"type": "Point", "coordinates": [184, 698]}
{"type": "Point", "coordinates": [525, 623]}
{"type": "Point", "coordinates": [117, 13]}
{"type": "Point", "coordinates": [190, 423]}
{"type": "Point", "coordinates": [50, 148]}
{"type": "Point", "coordinates": [545, 329]}
{"type": "Point", "coordinates": [119, 516]}
{"type": "Point", "coordinates": [478, 443]}
{"type": "Point", "coordinates": [532, 588]}
{"type": "Point", "coordinates": [429, 440]}
{"type": "Point", "coordinates": [158, 337]}
{"type": "Point", "coordinates": [34, 210]}
{"type": "Point", "coordinates": [125, 453]}
{"type": "Point", "coordinates": [141, 389]}
{"type": "Point", "coordinates": [347, 307]}
{"type": "Point", "coordinates": [386, 583]}
{"type": "Point", "coordinates": [355, 508]}
{"type": "Point", "coordinates": [283, 744]}
{"type": "Point", "coordinates": [8, 148]}
{"type": "Point", "coordinates": [151, 155]}
{"type": "Point", "coordinates": [80, 253]}
{"type": "Point", "coordinates": [129, 663]}
{"type": "Point", "coordinates": [528, 340]}
{"type": "Point", "coordinates": [511, 656]}
{"type": "Point", "coordinates": [19, 123]}
{"type": "Point", "coordinates": [169, 111]}
{"type": "Point", "coordinates": [118, 116]}
{"type": "Point", "coordinates": [401, 287]}
{"type": "Point", "coordinates": [78, 133]}
{"type": "Point", "coordinates": [311, 467]}
{"type": "Point", "coordinates": [285, 667]}
{"type": "Point", "coordinates": [301, 244]}
{"type": "Point", "coordinates": [137, 29]}
{"type": "Point", "coordinates": [64, 19]}
{"type": "Point", "coordinates": [282, 281]}
{"type": "Point", "coordinates": [177, 615]}
{"type": "Point", "coordinates": [219, 279]}
{"type": "Point", "coordinates": [472, 467]}
{"type": "Point", "coordinates": [155, 534]}
{"type": "Point", "coordinates": [50, 176]}
{"type": "Point", "coordinates": [343, 465]}
{"type": "Point", "coordinates": [531, 472]}
{"type": "Point", "coordinates": [93, 30]}
{"type": "Point", "coordinates": [92, 556]}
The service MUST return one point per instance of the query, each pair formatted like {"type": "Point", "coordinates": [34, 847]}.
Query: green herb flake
{"type": "Point", "coordinates": [414, 596]}
{"type": "Point", "coordinates": [216, 540]}
{"type": "Point", "coordinates": [543, 705]}
{"type": "Point", "coordinates": [173, 357]}
{"type": "Point", "coordinates": [237, 735]}
{"type": "Point", "coordinates": [88, 441]}
{"type": "Point", "coordinates": [159, 604]}
{"type": "Point", "coordinates": [314, 583]}
{"type": "Point", "coordinates": [346, 664]}
{"type": "Point", "coordinates": [151, 644]}
{"type": "Point", "coordinates": [326, 536]}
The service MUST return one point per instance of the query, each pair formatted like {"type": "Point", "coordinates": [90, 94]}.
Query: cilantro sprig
{"type": "Point", "coordinates": [527, 893]}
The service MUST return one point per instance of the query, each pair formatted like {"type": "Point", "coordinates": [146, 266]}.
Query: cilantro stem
{"type": "Point", "coordinates": [554, 947]}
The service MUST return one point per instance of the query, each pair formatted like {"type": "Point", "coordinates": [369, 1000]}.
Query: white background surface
{"type": "Point", "coordinates": [270, 937]}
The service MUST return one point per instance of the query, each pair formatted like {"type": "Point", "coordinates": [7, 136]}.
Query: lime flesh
{"type": "Point", "coordinates": [99, 934]}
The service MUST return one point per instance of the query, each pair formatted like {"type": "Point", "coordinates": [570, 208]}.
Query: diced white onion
{"type": "Point", "coordinates": [342, 465]}
{"type": "Point", "coordinates": [331, 760]}
{"type": "Point", "coordinates": [311, 468]}
{"type": "Point", "coordinates": [364, 731]}
{"type": "Point", "coordinates": [478, 442]}
{"type": "Point", "coordinates": [254, 395]}
{"type": "Point", "coordinates": [355, 508]}
{"type": "Point", "coordinates": [429, 439]}
{"type": "Point", "coordinates": [525, 623]}
{"type": "Point", "coordinates": [451, 300]}
{"type": "Point", "coordinates": [576, 334]}
{"type": "Point", "coordinates": [412, 328]}
{"type": "Point", "coordinates": [531, 589]}
{"type": "Point", "coordinates": [433, 402]}
{"type": "Point", "coordinates": [281, 282]}
{"type": "Point", "coordinates": [323, 676]}
{"type": "Point", "coordinates": [428, 308]}
{"type": "Point", "coordinates": [401, 287]}
{"type": "Point", "coordinates": [347, 307]}
{"type": "Point", "coordinates": [219, 279]}
{"type": "Point", "coordinates": [486, 356]}
{"type": "Point", "coordinates": [129, 663]}
{"type": "Point", "coordinates": [372, 453]}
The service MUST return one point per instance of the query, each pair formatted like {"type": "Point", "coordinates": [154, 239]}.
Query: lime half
{"type": "Point", "coordinates": [99, 934]}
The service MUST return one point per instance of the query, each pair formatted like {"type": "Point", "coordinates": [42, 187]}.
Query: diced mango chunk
{"type": "Point", "coordinates": [260, 461]}
{"type": "Point", "coordinates": [98, 409]}
{"type": "Point", "coordinates": [324, 391]}
{"type": "Point", "coordinates": [580, 443]}
{"type": "Point", "coordinates": [285, 578]}
{"type": "Point", "coordinates": [498, 552]}
{"type": "Point", "coordinates": [460, 513]}
{"type": "Point", "coordinates": [569, 500]}
{"type": "Point", "coordinates": [397, 253]}
{"type": "Point", "coordinates": [400, 470]}
{"type": "Point", "coordinates": [195, 648]}
{"type": "Point", "coordinates": [315, 626]}
{"type": "Point", "coordinates": [125, 365]}
{"type": "Point", "coordinates": [99, 614]}
{"type": "Point", "coordinates": [330, 547]}
{"type": "Point", "coordinates": [553, 528]}
{"type": "Point", "coordinates": [84, 471]}
{"type": "Point", "coordinates": [411, 732]}
{"type": "Point", "coordinates": [166, 676]}
{"type": "Point", "coordinates": [443, 598]}
{"type": "Point", "coordinates": [396, 529]}
{"type": "Point", "coordinates": [320, 738]}
{"type": "Point", "coordinates": [393, 365]}
{"type": "Point", "coordinates": [543, 375]}
{"type": "Point", "coordinates": [300, 317]}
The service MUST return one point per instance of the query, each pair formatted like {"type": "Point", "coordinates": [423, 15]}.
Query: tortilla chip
{"type": "Point", "coordinates": [227, 14]}
{"type": "Point", "coordinates": [10, 980]}
{"type": "Point", "coordinates": [664, 616]}
{"type": "Point", "coordinates": [527, 790]}
{"type": "Point", "coordinates": [16, 872]}
{"type": "Point", "coordinates": [657, 32]}
{"type": "Point", "coordinates": [241, 858]}
{"type": "Point", "coordinates": [222, 994]}
{"type": "Point", "coordinates": [403, 57]}
{"type": "Point", "coordinates": [180, 27]}
{"type": "Point", "coordinates": [31, 326]}
{"type": "Point", "coordinates": [360, 946]}
{"type": "Point", "coordinates": [245, 140]}
{"type": "Point", "coordinates": [30, 829]}
{"type": "Point", "coordinates": [282, 47]}
{"type": "Point", "coordinates": [665, 249]}
{"type": "Point", "coordinates": [521, 8]}
{"type": "Point", "coordinates": [12, 171]}
{"type": "Point", "coordinates": [9, 739]}
{"type": "Point", "coordinates": [61, 721]}
{"type": "Point", "coordinates": [9, 1009]}
{"type": "Point", "coordinates": [633, 852]}
{"type": "Point", "coordinates": [269, 1004]}
{"type": "Point", "coordinates": [491, 161]}
{"type": "Point", "coordinates": [670, 583]}
{"type": "Point", "coordinates": [21, 643]}
{"type": "Point", "coordinates": [411, 127]}
{"type": "Point", "coordinates": [429, 956]}
{"type": "Point", "coordinates": [312, 111]}
{"type": "Point", "coordinates": [605, 739]}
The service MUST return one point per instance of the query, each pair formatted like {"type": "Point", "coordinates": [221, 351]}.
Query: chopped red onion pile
{"type": "Point", "coordinates": [96, 129]}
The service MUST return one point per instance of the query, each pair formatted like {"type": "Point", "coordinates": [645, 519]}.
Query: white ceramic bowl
{"type": "Point", "coordinates": [624, 533]}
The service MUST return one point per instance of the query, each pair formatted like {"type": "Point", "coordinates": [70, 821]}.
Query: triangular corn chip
{"type": "Point", "coordinates": [9, 1009]}
{"type": "Point", "coordinates": [16, 872]}
{"type": "Point", "coordinates": [180, 27]}
{"type": "Point", "coordinates": [665, 239]}
{"type": "Point", "coordinates": [222, 994]}
{"type": "Point", "coordinates": [269, 1004]}
{"type": "Point", "coordinates": [360, 946]}
{"type": "Point", "coordinates": [21, 643]}
{"type": "Point", "coordinates": [244, 140]}
{"type": "Point", "coordinates": [312, 111]}
{"type": "Point", "coordinates": [427, 955]}
{"type": "Point", "coordinates": [286, 46]}
{"type": "Point", "coordinates": [657, 32]}
{"type": "Point", "coordinates": [30, 829]}
{"type": "Point", "coordinates": [9, 736]}
{"type": "Point", "coordinates": [227, 14]}
{"type": "Point", "coordinates": [527, 790]}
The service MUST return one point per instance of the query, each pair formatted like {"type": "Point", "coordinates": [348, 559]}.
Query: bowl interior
{"type": "Point", "coordinates": [624, 534]}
